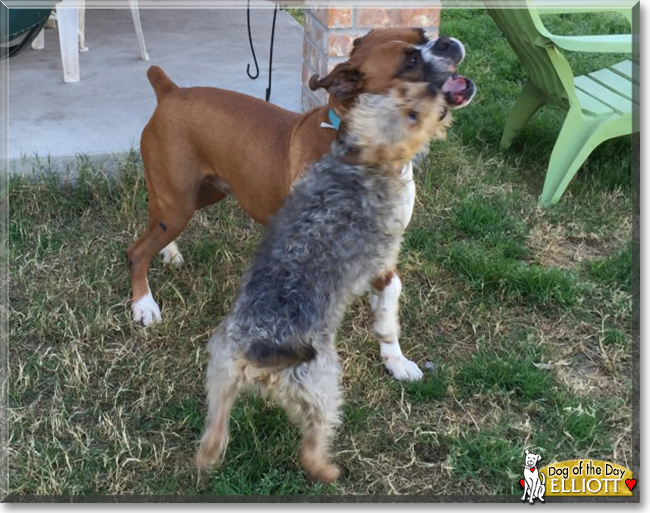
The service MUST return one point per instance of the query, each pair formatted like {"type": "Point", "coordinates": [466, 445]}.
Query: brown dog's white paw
{"type": "Point", "coordinates": [146, 310]}
{"type": "Point", "coordinates": [172, 256]}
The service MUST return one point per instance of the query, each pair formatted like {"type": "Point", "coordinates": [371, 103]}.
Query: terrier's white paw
{"type": "Point", "coordinates": [402, 368]}
{"type": "Point", "coordinates": [171, 255]}
{"type": "Point", "coordinates": [146, 310]}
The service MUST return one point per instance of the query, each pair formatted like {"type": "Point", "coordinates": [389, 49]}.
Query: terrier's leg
{"type": "Point", "coordinates": [223, 383]}
{"type": "Point", "coordinates": [384, 301]}
{"type": "Point", "coordinates": [312, 397]}
{"type": "Point", "coordinates": [317, 432]}
{"type": "Point", "coordinates": [221, 397]}
{"type": "Point", "coordinates": [385, 305]}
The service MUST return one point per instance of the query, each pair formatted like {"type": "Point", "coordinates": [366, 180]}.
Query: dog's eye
{"type": "Point", "coordinates": [412, 62]}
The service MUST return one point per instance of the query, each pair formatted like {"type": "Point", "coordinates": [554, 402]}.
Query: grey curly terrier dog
{"type": "Point", "coordinates": [340, 227]}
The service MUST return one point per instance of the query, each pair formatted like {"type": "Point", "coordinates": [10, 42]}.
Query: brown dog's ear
{"type": "Point", "coordinates": [343, 82]}
{"type": "Point", "coordinates": [359, 40]}
{"type": "Point", "coordinates": [423, 35]}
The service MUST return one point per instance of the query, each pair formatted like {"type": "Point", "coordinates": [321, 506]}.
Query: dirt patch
{"type": "Point", "coordinates": [430, 453]}
{"type": "Point", "coordinates": [589, 380]}
{"type": "Point", "coordinates": [551, 246]}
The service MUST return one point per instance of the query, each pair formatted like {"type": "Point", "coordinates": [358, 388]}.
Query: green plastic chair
{"type": "Point", "coordinates": [19, 27]}
{"type": "Point", "coordinates": [600, 104]}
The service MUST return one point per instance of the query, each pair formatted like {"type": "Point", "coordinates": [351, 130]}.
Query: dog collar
{"type": "Point", "coordinates": [335, 120]}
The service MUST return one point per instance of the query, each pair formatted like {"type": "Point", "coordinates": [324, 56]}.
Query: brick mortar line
{"type": "Point", "coordinates": [354, 28]}
{"type": "Point", "coordinates": [309, 40]}
{"type": "Point", "coordinates": [348, 31]}
{"type": "Point", "coordinates": [314, 44]}
{"type": "Point", "coordinates": [311, 71]}
{"type": "Point", "coordinates": [319, 22]}
{"type": "Point", "coordinates": [307, 35]}
{"type": "Point", "coordinates": [318, 48]}
{"type": "Point", "coordinates": [351, 31]}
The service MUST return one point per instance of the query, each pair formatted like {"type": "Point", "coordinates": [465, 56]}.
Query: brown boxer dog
{"type": "Point", "coordinates": [204, 143]}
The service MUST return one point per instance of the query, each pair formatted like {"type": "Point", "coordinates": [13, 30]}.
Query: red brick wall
{"type": "Point", "coordinates": [329, 34]}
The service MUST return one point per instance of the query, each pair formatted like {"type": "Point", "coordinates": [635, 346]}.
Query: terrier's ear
{"type": "Point", "coordinates": [526, 451]}
{"type": "Point", "coordinates": [344, 82]}
{"type": "Point", "coordinates": [539, 457]}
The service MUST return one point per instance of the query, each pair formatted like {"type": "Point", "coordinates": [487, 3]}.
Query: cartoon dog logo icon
{"type": "Point", "coordinates": [535, 482]}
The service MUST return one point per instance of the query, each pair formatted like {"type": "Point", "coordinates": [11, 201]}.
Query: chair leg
{"type": "Point", "coordinates": [39, 41]}
{"type": "Point", "coordinates": [577, 139]}
{"type": "Point", "coordinates": [82, 26]}
{"type": "Point", "coordinates": [527, 104]}
{"type": "Point", "coordinates": [68, 21]}
{"type": "Point", "coordinates": [135, 14]}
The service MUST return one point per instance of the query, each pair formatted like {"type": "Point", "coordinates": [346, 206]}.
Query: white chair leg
{"type": "Point", "coordinates": [82, 26]}
{"type": "Point", "coordinates": [39, 41]}
{"type": "Point", "coordinates": [135, 13]}
{"type": "Point", "coordinates": [67, 16]}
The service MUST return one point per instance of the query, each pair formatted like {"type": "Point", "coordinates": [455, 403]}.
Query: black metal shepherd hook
{"type": "Point", "coordinates": [250, 40]}
{"type": "Point", "coordinates": [268, 88]}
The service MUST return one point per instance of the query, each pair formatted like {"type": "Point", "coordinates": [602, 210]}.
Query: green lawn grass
{"type": "Point", "coordinates": [492, 286]}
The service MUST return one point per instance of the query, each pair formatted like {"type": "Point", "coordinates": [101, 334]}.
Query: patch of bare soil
{"type": "Point", "coordinates": [553, 247]}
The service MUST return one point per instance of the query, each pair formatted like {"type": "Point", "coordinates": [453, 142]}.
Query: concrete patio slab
{"type": "Point", "coordinates": [105, 112]}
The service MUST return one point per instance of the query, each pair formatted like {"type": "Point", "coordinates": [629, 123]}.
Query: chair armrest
{"type": "Point", "coordinates": [597, 44]}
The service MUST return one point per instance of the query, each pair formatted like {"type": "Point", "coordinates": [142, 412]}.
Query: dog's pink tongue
{"type": "Point", "coordinates": [454, 84]}
{"type": "Point", "coordinates": [453, 88]}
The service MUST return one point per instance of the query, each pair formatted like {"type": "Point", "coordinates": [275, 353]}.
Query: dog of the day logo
{"type": "Point", "coordinates": [575, 478]}
{"type": "Point", "coordinates": [534, 482]}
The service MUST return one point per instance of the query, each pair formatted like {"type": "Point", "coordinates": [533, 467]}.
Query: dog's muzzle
{"type": "Point", "coordinates": [449, 48]}
{"type": "Point", "coordinates": [442, 57]}
{"type": "Point", "coordinates": [444, 52]}
{"type": "Point", "coordinates": [458, 91]}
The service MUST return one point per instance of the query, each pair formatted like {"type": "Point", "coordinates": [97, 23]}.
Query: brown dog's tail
{"type": "Point", "coordinates": [161, 83]}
